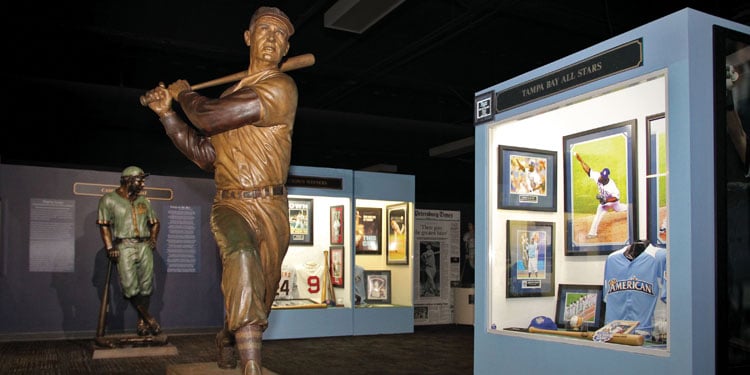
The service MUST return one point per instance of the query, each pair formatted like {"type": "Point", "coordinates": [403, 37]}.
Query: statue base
{"type": "Point", "coordinates": [208, 368]}
{"type": "Point", "coordinates": [127, 346]}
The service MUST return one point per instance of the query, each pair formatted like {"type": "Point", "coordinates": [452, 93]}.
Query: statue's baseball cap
{"type": "Point", "coordinates": [543, 322]}
{"type": "Point", "coordinates": [274, 13]}
{"type": "Point", "coordinates": [133, 171]}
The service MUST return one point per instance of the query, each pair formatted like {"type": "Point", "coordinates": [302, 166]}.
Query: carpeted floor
{"type": "Point", "coordinates": [438, 349]}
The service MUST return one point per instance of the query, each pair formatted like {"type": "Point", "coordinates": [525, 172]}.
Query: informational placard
{"type": "Point", "coordinates": [52, 235]}
{"type": "Point", "coordinates": [437, 254]}
{"type": "Point", "coordinates": [183, 238]}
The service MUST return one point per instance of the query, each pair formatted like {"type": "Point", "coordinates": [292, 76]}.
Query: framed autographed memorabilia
{"type": "Point", "coordinates": [530, 259]}
{"type": "Point", "coordinates": [600, 167]}
{"type": "Point", "coordinates": [397, 234]}
{"type": "Point", "coordinates": [378, 287]}
{"type": "Point", "coordinates": [526, 179]}
{"type": "Point", "coordinates": [337, 225]}
{"type": "Point", "coordinates": [300, 221]}
{"type": "Point", "coordinates": [367, 230]}
{"type": "Point", "coordinates": [337, 266]}
{"type": "Point", "coordinates": [581, 305]}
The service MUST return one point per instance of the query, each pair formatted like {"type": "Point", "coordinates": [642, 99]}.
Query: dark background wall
{"type": "Point", "coordinates": [67, 303]}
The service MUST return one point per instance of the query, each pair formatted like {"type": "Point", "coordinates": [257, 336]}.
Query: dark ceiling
{"type": "Point", "coordinates": [376, 100]}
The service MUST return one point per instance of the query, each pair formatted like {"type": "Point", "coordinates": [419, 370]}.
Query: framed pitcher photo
{"type": "Point", "coordinates": [527, 179]}
{"type": "Point", "coordinates": [600, 170]}
{"type": "Point", "coordinates": [337, 225]}
{"type": "Point", "coordinates": [300, 221]}
{"type": "Point", "coordinates": [397, 234]}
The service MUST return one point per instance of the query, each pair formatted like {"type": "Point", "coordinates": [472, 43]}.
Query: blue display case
{"type": "Point", "coordinates": [641, 105]}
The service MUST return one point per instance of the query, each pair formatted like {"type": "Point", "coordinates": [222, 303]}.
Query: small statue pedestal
{"type": "Point", "coordinates": [127, 346]}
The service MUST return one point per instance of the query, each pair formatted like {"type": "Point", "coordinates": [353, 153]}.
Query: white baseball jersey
{"type": "Point", "coordinates": [608, 190]}
{"type": "Point", "coordinates": [286, 284]}
{"type": "Point", "coordinates": [631, 287]}
{"type": "Point", "coordinates": [301, 281]}
{"type": "Point", "coordinates": [309, 281]}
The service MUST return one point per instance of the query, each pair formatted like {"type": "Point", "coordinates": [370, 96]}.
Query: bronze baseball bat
{"type": "Point", "coordinates": [292, 63]}
{"type": "Point", "coordinates": [617, 338]}
{"type": "Point", "coordinates": [105, 302]}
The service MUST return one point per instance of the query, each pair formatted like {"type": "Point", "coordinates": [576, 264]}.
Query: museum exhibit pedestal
{"type": "Point", "coordinates": [464, 305]}
{"type": "Point", "coordinates": [129, 346]}
{"type": "Point", "coordinates": [207, 368]}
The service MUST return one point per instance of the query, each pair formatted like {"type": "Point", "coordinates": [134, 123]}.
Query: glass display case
{"type": "Point", "coordinates": [570, 188]}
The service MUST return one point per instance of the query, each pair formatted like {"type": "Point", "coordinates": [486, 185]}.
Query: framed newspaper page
{"type": "Point", "coordinates": [300, 221]}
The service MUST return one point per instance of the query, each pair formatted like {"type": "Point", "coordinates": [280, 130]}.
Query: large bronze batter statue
{"type": "Point", "coordinates": [245, 138]}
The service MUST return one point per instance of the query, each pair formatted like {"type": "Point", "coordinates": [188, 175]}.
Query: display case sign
{"type": "Point", "coordinates": [616, 60]}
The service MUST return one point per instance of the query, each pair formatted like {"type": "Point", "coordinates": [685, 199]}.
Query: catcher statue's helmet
{"type": "Point", "coordinates": [605, 173]}
{"type": "Point", "coordinates": [133, 171]}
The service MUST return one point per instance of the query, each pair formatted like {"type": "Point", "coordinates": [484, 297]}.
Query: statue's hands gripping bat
{"type": "Point", "coordinates": [291, 63]}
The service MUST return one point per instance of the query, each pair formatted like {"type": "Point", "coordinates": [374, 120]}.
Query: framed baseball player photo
{"type": "Point", "coordinates": [526, 179]}
{"type": "Point", "coordinates": [337, 225]}
{"type": "Point", "coordinates": [397, 234]}
{"type": "Point", "coordinates": [579, 307]}
{"type": "Point", "coordinates": [378, 286]}
{"type": "Point", "coordinates": [600, 169]}
{"type": "Point", "coordinates": [337, 266]}
{"type": "Point", "coordinates": [530, 259]}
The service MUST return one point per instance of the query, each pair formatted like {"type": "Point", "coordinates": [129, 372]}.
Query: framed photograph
{"type": "Point", "coordinates": [600, 169]}
{"type": "Point", "coordinates": [367, 230]}
{"type": "Point", "coordinates": [584, 301]}
{"type": "Point", "coordinates": [300, 221]}
{"type": "Point", "coordinates": [621, 327]}
{"type": "Point", "coordinates": [337, 225]}
{"type": "Point", "coordinates": [378, 287]}
{"type": "Point", "coordinates": [656, 179]}
{"type": "Point", "coordinates": [526, 179]}
{"type": "Point", "coordinates": [397, 234]}
{"type": "Point", "coordinates": [337, 266]}
{"type": "Point", "coordinates": [530, 257]}
{"type": "Point", "coordinates": [429, 269]}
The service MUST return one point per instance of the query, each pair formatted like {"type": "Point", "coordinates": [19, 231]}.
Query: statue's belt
{"type": "Point", "coordinates": [131, 240]}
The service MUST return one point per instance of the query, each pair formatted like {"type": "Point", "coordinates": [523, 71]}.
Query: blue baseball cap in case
{"type": "Point", "coordinates": [543, 322]}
